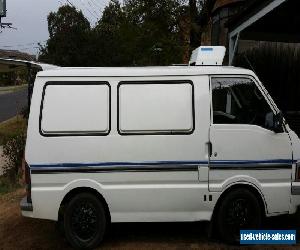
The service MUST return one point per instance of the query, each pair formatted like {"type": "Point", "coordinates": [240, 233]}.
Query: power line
{"type": "Point", "coordinates": [97, 4]}
{"type": "Point", "coordinates": [91, 15]}
{"type": "Point", "coordinates": [85, 6]}
{"type": "Point", "coordinates": [70, 3]}
{"type": "Point", "coordinates": [102, 5]}
{"type": "Point", "coordinates": [89, 8]}
{"type": "Point", "coordinates": [92, 6]}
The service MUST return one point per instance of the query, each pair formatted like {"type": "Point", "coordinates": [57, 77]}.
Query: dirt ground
{"type": "Point", "coordinates": [2, 160]}
{"type": "Point", "coordinates": [17, 232]}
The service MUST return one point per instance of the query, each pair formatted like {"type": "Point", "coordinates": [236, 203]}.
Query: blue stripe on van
{"type": "Point", "coordinates": [241, 162]}
{"type": "Point", "coordinates": [156, 163]}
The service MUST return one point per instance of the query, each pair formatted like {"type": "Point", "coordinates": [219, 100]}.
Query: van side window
{"type": "Point", "coordinates": [156, 107]}
{"type": "Point", "coordinates": [239, 101]}
{"type": "Point", "coordinates": [74, 108]}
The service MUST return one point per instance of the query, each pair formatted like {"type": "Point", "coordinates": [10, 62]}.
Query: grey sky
{"type": "Point", "coordinates": [30, 19]}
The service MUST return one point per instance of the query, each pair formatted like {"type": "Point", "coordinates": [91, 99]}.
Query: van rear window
{"type": "Point", "coordinates": [75, 109]}
{"type": "Point", "coordinates": [156, 107]}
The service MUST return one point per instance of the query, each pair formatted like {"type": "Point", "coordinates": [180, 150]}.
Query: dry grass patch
{"type": "Point", "coordinates": [12, 127]}
{"type": "Point", "coordinates": [9, 89]}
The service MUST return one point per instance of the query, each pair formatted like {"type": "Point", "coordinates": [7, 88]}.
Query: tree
{"type": "Point", "coordinates": [69, 34]}
{"type": "Point", "coordinates": [139, 32]}
{"type": "Point", "coordinates": [112, 37]}
{"type": "Point", "coordinates": [195, 35]}
{"type": "Point", "coordinates": [157, 33]}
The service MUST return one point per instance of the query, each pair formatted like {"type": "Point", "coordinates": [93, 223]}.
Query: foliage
{"type": "Point", "coordinates": [139, 32]}
{"type": "Point", "coordinates": [13, 78]}
{"type": "Point", "coordinates": [13, 151]}
{"type": "Point", "coordinates": [12, 136]}
{"type": "Point", "coordinates": [109, 38]}
{"type": "Point", "coordinates": [69, 38]}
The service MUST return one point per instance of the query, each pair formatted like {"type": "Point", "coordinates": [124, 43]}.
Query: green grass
{"type": "Point", "coordinates": [12, 127]}
{"type": "Point", "coordinates": [9, 89]}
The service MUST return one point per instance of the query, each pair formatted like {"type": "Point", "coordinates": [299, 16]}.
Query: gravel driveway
{"type": "Point", "coordinates": [17, 232]}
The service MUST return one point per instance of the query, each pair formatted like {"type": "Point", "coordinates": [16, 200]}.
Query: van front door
{"type": "Point", "coordinates": [245, 149]}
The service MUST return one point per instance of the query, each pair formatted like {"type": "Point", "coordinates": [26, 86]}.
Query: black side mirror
{"type": "Point", "coordinates": [275, 122]}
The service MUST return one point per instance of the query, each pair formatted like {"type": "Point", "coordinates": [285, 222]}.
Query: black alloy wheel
{"type": "Point", "coordinates": [240, 209]}
{"type": "Point", "coordinates": [84, 221]}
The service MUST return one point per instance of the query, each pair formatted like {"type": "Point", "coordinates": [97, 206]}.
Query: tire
{"type": "Point", "coordinates": [84, 221]}
{"type": "Point", "coordinates": [240, 209]}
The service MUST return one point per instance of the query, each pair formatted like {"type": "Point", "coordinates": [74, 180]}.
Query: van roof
{"type": "Point", "coordinates": [144, 71]}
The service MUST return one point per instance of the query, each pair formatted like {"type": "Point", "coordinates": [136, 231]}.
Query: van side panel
{"type": "Point", "coordinates": [142, 177]}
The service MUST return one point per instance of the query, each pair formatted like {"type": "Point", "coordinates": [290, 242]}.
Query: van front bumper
{"type": "Point", "coordinates": [26, 207]}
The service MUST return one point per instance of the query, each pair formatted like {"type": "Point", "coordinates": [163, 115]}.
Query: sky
{"type": "Point", "coordinates": [29, 17]}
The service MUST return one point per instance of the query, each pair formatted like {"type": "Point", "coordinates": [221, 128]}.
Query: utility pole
{"type": "Point", "coordinates": [3, 14]}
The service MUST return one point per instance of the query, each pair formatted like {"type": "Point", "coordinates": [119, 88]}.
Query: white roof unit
{"type": "Point", "coordinates": [208, 55]}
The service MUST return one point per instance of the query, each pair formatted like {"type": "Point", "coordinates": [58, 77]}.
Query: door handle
{"type": "Point", "coordinates": [209, 148]}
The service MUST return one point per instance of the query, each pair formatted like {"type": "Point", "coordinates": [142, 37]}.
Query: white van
{"type": "Point", "coordinates": [157, 144]}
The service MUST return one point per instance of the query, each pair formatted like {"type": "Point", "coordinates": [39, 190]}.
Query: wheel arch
{"type": "Point", "coordinates": [246, 185]}
{"type": "Point", "coordinates": [251, 187]}
{"type": "Point", "coordinates": [77, 190]}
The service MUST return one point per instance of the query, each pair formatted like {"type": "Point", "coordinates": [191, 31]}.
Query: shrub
{"type": "Point", "coordinates": [12, 127]}
{"type": "Point", "coordinates": [13, 150]}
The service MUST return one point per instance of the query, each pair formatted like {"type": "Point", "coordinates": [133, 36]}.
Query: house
{"type": "Point", "coordinates": [271, 27]}
{"type": "Point", "coordinates": [214, 25]}
{"type": "Point", "coordinates": [241, 24]}
{"type": "Point", "coordinates": [15, 54]}
{"type": "Point", "coordinates": [11, 74]}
